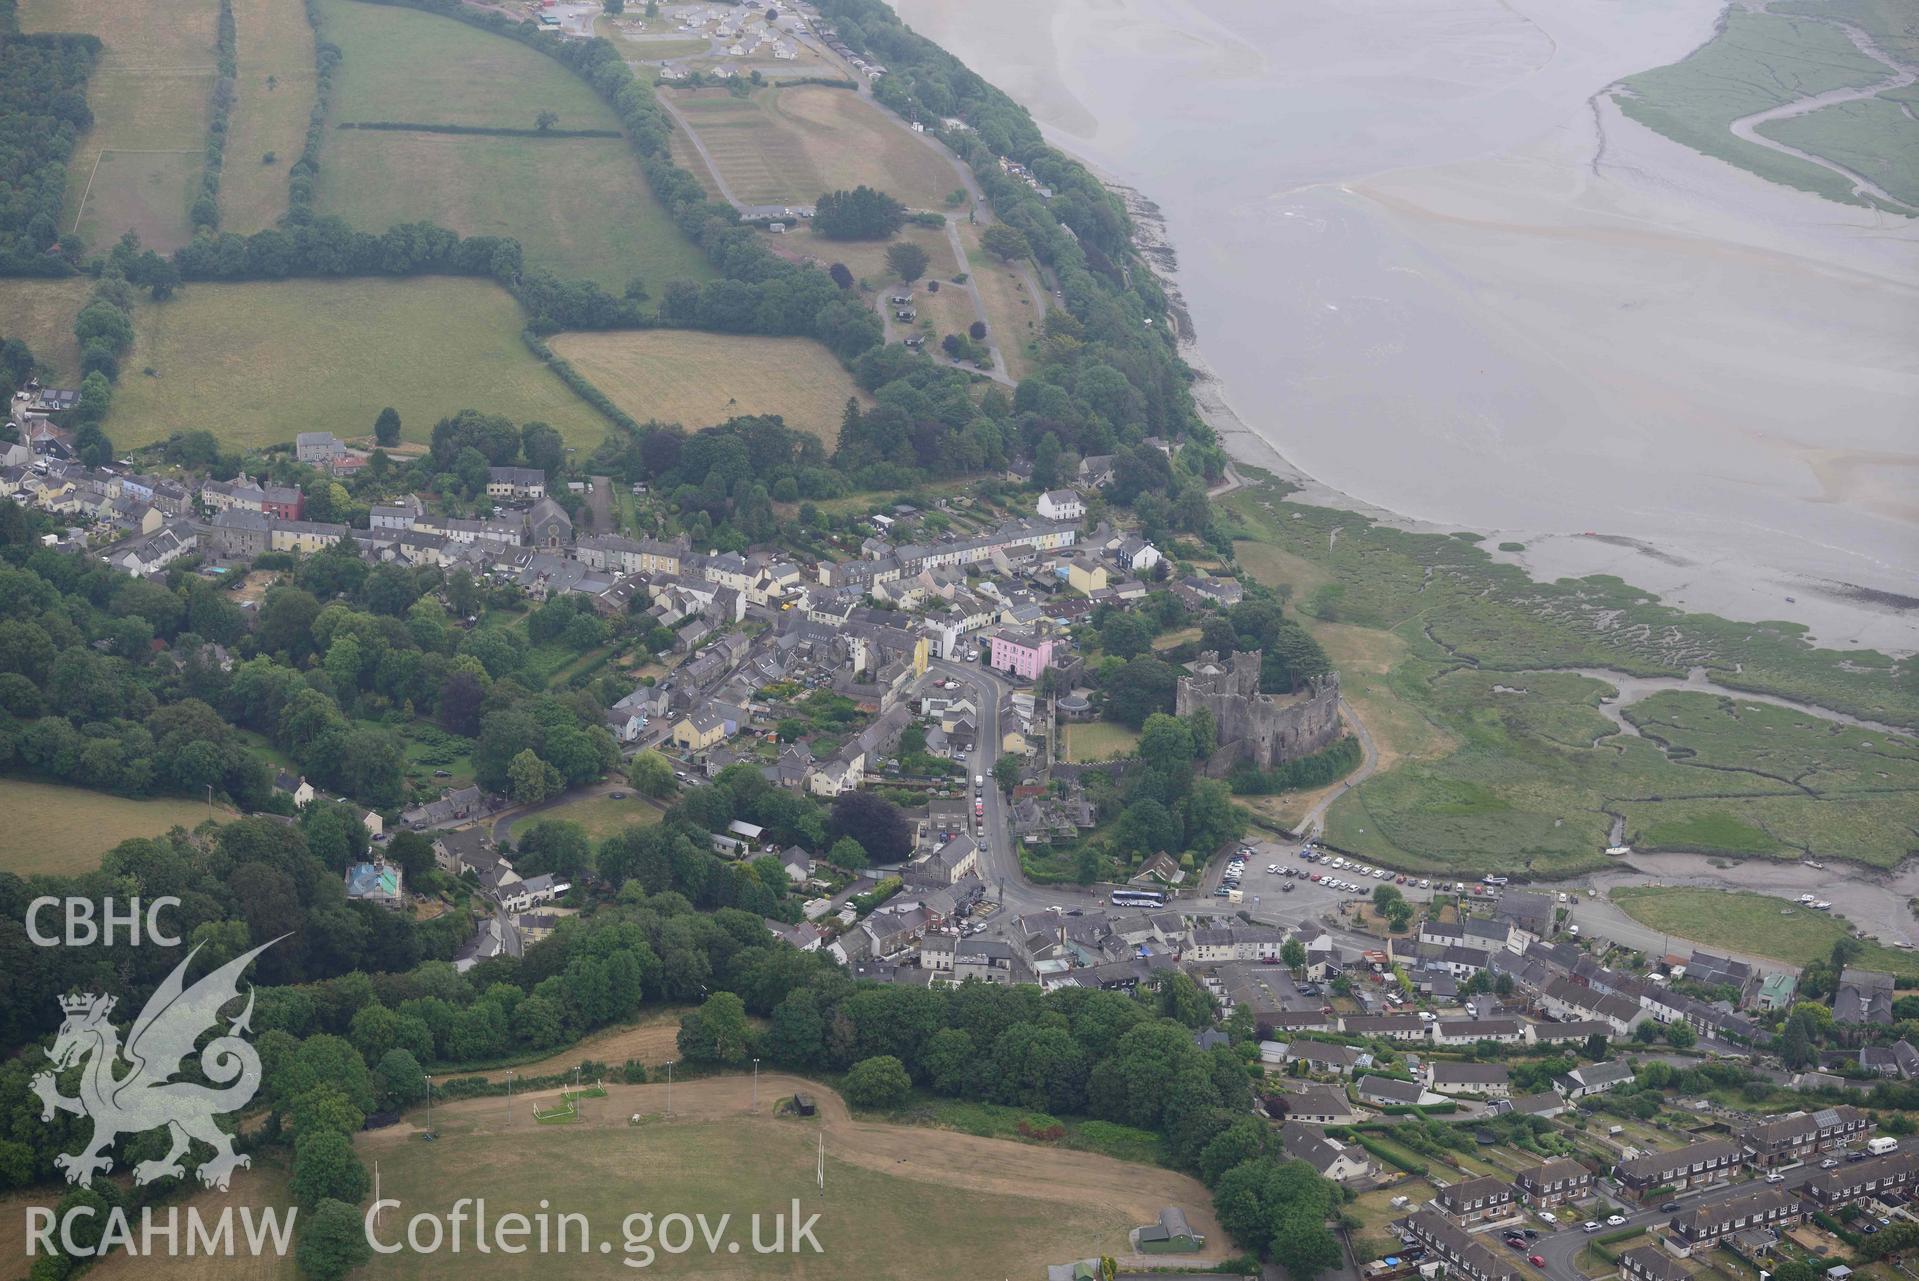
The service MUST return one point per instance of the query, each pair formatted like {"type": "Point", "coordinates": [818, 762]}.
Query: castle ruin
{"type": "Point", "coordinates": [1262, 730]}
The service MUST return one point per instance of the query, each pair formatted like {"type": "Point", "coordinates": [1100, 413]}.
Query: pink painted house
{"type": "Point", "coordinates": [1023, 654]}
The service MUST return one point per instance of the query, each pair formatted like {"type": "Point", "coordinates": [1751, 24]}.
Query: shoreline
{"type": "Point", "coordinates": [1248, 447]}
{"type": "Point", "coordinates": [1417, 376]}
{"type": "Point", "coordinates": [1242, 443]}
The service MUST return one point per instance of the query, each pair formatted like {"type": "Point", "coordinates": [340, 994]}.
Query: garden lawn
{"type": "Point", "coordinates": [64, 830]}
{"type": "Point", "coordinates": [601, 816]}
{"type": "Point", "coordinates": [1097, 741]}
{"type": "Point", "coordinates": [258, 363]}
{"type": "Point", "coordinates": [1757, 924]}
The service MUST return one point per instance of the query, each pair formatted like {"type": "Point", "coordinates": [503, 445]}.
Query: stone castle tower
{"type": "Point", "coordinates": [1262, 730]}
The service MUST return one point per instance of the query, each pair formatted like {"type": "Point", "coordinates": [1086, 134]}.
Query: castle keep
{"type": "Point", "coordinates": [1262, 730]}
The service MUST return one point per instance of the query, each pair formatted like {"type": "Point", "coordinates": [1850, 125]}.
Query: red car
{"type": "Point", "coordinates": [1537, 1260]}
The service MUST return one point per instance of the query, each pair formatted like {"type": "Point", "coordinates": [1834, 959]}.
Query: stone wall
{"type": "Point", "coordinates": [1262, 730]}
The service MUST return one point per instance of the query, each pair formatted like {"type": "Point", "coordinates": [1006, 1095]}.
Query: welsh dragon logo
{"type": "Point", "coordinates": [130, 1090]}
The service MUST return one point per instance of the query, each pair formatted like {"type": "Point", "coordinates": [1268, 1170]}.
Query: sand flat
{"type": "Point", "coordinates": [1436, 271]}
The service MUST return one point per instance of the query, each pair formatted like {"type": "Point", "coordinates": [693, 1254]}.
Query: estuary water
{"type": "Point", "coordinates": [1432, 268]}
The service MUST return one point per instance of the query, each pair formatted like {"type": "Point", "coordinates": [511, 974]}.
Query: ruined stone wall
{"type": "Point", "coordinates": [1262, 730]}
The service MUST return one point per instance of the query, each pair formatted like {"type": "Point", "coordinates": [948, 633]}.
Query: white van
{"type": "Point", "coordinates": [1882, 1145]}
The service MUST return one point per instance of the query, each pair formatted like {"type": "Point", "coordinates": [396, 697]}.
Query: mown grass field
{"type": "Point", "coordinates": [1756, 61]}
{"type": "Point", "coordinates": [40, 313]}
{"type": "Point", "coordinates": [789, 145]}
{"type": "Point", "coordinates": [64, 830]}
{"type": "Point", "coordinates": [258, 363]}
{"type": "Point", "coordinates": [601, 816]}
{"type": "Point", "coordinates": [1756, 924]}
{"type": "Point", "coordinates": [273, 96]}
{"type": "Point", "coordinates": [699, 379]}
{"type": "Point", "coordinates": [1489, 762]}
{"type": "Point", "coordinates": [1097, 741]}
{"type": "Point", "coordinates": [580, 207]}
{"type": "Point", "coordinates": [150, 94]}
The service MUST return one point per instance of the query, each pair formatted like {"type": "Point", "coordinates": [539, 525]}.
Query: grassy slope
{"type": "Point", "coordinates": [274, 43]}
{"type": "Point", "coordinates": [1755, 62]}
{"type": "Point", "coordinates": [150, 92]}
{"type": "Point", "coordinates": [65, 830]}
{"type": "Point", "coordinates": [40, 313]}
{"type": "Point", "coordinates": [580, 207]}
{"type": "Point", "coordinates": [1474, 778]}
{"type": "Point", "coordinates": [1753, 923]}
{"type": "Point", "coordinates": [736, 1166]}
{"type": "Point", "coordinates": [699, 379]}
{"type": "Point", "coordinates": [257, 363]}
{"type": "Point", "coordinates": [790, 145]}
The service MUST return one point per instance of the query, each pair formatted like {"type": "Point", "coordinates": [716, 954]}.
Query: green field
{"type": "Point", "coordinates": [150, 94]}
{"type": "Point", "coordinates": [1756, 924]}
{"type": "Point", "coordinates": [699, 379]}
{"type": "Point", "coordinates": [580, 207]}
{"type": "Point", "coordinates": [601, 816]}
{"type": "Point", "coordinates": [782, 146]}
{"type": "Point", "coordinates": [1489, 762]}
{"type": "Point", "coordinates": [1755, 62]}
{"type": "Point", "coordinates": [40, 313]}
{"type": "Point", "coordinates": [273, 96]}
{"type": "Point", "coordinates": [738, 1166]}
{"type": "Point", "coordinates": [1097, 741]}
{"type": "Point", "coordinates": [257, 363]}
{"type": "Point", "coordinates": [64, 830]}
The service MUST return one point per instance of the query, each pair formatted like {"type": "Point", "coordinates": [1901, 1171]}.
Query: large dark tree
{"type": "Point", "coordinates": [876, 823]}
{"type": "Point", "coordinates": [859, 214]}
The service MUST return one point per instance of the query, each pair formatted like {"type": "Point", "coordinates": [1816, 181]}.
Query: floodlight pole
{"type": "Point", "coordinates": [756, 1085]}
{"type": "Point", "coordinates": [669, 1089]}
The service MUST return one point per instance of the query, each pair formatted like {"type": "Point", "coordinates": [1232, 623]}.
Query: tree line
{"type": "Point", "coordinates": [43, 112]}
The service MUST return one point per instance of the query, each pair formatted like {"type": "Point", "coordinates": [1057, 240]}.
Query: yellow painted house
{"type": "Point", "coordinates": [1085, 575]}
{"type": "Point", "coordinates": [700, 730]}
